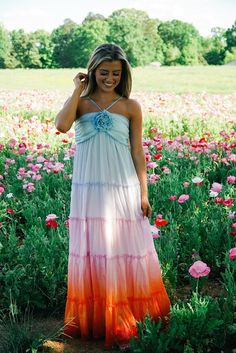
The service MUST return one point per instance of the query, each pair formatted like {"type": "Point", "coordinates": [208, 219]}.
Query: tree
{"type": "Point", "coordinates": [136, 33]}
{"type": "Point", "coordinates": [45, 48]}
{"type": "Point", "coordinates": [25, 50]}
{"type": "Point", "coordinates": [84, 40]}
{"type": "Point", "coordinates": [61, 38]}
{"type": "Point", "coordinates": [215, 47]}
{"type": "Point", "coordinates": [185, 37]}
{"type": "Point", "coordinates": [6, 58]}
{"type": "Point", "coordinates": [230, 36]}
{"type": "Point", "coordinates": [93, 16]}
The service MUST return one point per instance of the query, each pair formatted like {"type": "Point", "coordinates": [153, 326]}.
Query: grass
{"type": "Point", "coordinates": [178, 79]}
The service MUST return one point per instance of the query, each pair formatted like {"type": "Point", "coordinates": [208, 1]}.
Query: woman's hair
{"type": "Point", "coordinates": [109, 52]}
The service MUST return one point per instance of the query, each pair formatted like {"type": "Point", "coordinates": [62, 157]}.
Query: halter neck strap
{"type": "Point", "coordinates": [111, 105]}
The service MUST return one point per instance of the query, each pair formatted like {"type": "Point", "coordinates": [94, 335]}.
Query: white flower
{"type": "Point", "coordinates": [50, 217]}
{"type": "Point", "coordinates": [213, 193]}
{"type": "Point", "coordinates": [9, 195]}
{"type": "Point", "coordinates": [197, 180]}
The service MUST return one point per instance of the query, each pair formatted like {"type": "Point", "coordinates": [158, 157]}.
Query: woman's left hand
{"type": "Point", "coordinates": [146, 208]}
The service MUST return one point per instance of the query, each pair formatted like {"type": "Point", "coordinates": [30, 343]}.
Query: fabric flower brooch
{"type": "Point", "coordinates": [103, 121]}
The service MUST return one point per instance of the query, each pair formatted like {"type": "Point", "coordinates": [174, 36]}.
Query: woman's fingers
{"type": "Point", "coordinates": [147, 212]}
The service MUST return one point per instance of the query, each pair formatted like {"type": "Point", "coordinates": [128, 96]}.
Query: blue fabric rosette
{"type": "Point", "coordinates": [103, 121]}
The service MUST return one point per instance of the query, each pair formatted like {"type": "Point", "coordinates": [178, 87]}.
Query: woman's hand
{"type": "Point", "coordinates": [81, 81]}
{"type": "Point", "coordinates": [146, 208]}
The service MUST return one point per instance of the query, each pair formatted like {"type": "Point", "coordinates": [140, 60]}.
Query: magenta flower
{"type": "Point", "coordinates": [228, 202]}
{"type": "Point", "coordinates": [216, 187]}
{"type": "Point", "coordinates": [183, 198]}
{"type": "Point", "coordinates": [231, 179]}
{"type": "Point", "coordinates": [232, 253]}
{"type": "Point", "coordinates": [199, 269]}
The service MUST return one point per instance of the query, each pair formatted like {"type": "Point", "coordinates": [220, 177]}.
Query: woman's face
{"type": "Point", "coordinates": [108, 75]}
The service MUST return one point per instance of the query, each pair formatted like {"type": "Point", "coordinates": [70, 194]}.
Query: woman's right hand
{"type": "Point", "coordinates": [81, 81]}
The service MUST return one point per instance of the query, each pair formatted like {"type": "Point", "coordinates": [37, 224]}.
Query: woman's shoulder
{"type": "Point", "coordinates": [133, 107]}
{"type": "Point", "coordinates": [83, 107]}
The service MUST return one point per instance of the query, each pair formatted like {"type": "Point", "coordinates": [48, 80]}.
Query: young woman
{"type": "Point", "coordinates": [114, 277]}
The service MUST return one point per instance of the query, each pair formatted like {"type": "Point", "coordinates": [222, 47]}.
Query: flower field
{"type": "Point", "coordinates": [190, 146]}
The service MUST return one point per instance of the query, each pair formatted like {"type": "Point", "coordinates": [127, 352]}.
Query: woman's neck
{"type": "Point", "coordinates": [104, 96]}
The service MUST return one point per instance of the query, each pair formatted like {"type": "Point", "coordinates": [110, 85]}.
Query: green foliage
{"type": "Point", "coordinates": [194, 326]}
{"type": "Point", "coordinates": [230, 36]}
{"type": "Point", "coordinates": [139, 41]}
{"type": "Point", "coordinates": [45, 48]}
{"type": "Point", "coordinates": [84, 40]}
{"type": "Point", "coordinates": [20, 333]}
{"type": "Point", "coordinates": [26, 52]}
{"type": "Point", "coordinates": [38, 254]}
{"type": "Point", "coordinates": [182, 42]}
{"type": "Point", "coordinates": [215, 48]}
{"type": "Point", "coordinates": [61, 38]}
{"type": "Point", "coordinates": [6, 59]}
{"type": "Point", "coordinates": [143, 39]}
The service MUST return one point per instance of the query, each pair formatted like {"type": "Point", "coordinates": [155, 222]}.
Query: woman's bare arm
{"type": "Point", "coordinates": [138, 155]}
{"type": "Point", "coordinates": [67, 115]}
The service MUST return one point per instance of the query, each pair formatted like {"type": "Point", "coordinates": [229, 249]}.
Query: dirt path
{"type": "Point", "coordinates": [76, 346]}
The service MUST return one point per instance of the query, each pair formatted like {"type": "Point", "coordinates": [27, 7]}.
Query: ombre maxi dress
{"type": "Point", "coordinates": [114, 276]}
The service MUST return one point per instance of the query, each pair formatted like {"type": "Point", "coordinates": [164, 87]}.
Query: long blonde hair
{"type": "Point", "coordinates": [109, 52]}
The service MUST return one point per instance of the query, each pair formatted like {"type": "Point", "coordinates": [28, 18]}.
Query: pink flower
{"type": "Point", "coordinates": [172, 197]}
{"type": "Point", "coordinates": [1, 190]}
{"type": "Point", "coordinates": [232, 253]}
{"type": "Point", "coordinates": [30, 187]}
{"type": "Point", "coordinates": [166, 170]}
{"type": "Point", "coordinates": [199, 269]}
{"type": "Point", "coordinates": [67, 223]}
{"type": "Point", "coordinates": [183, 198]}
{"type": "Point", "coordinates": [151, 165]}
{"type": "Point", "coordinates": [153, 178]}
{"type": "Point", "coordinates": [231, 214]}
{"type": "Point", "coordinates": [232, 157]}
{"type": "Point", "coordinates": [51, 216]}
{"type": "Point", "coordinates": [155, 232]}
{"type": "Point", "coordinates": [231, 179]}
{"type": "Point", "coordinates": [216, 187]}
{"type": "Point", "coordinates": [233, 225]}
{"type": "Point", "coordinates": [185, 184]}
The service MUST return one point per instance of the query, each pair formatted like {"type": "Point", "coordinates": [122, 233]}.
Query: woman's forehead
{"type": "Point", "coordinates": [110, 65]}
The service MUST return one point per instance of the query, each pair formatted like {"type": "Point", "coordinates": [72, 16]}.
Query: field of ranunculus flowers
{"type": "Point", "coordinates": [190, 147]}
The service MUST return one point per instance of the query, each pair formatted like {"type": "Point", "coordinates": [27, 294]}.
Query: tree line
{"type": "Point", "coordinates": [143, 39]}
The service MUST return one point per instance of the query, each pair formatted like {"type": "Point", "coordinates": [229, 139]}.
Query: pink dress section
{"type": "Point", "coordinates": [114, 277]}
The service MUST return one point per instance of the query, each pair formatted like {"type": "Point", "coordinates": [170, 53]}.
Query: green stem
{"type": "Point", "coordinates": [197, 287]}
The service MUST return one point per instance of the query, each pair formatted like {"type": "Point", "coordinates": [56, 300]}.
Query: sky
{"type": "Point", "coordinates": [31, 15]}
